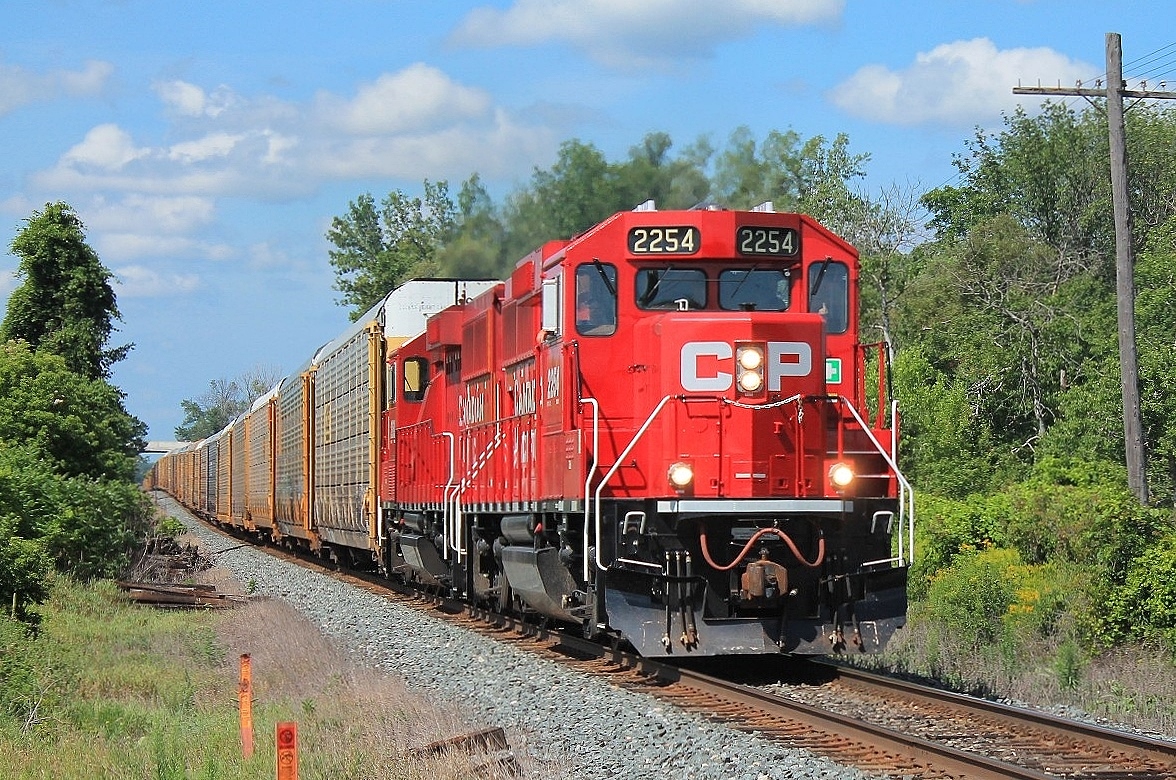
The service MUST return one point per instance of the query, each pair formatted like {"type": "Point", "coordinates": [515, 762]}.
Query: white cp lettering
{"type": "Point", "coordinates": [784, 358]}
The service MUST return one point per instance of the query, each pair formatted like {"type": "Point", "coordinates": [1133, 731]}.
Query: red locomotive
{"type": "Point", "coordinates": [657, 431]}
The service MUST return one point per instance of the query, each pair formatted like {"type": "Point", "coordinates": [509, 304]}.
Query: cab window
{"type": "Point", "coordinates": [416, 378]}
{"type": "Point", "coordinates": [671, 288]}
{"type": "Point", "coordinates": [752, 289]}
{"type": "Point", "coordinates": [829, 294]}
{"type": "Point", "coordinates": [596, 299]}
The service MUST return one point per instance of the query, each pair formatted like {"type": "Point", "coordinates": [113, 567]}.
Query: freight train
{"type": "Point", "coordinates": [663, 432]}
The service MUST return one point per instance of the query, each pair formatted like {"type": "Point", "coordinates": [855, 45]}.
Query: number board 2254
{"type": "Point", "coordinates": [664, 240]}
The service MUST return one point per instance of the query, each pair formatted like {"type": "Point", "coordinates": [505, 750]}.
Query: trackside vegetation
{"type": "Point", "coordinates": [110, 689]}
{"type": "Point", "coordinates": [68, 446]}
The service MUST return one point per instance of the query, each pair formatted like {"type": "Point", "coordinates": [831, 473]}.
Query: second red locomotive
{"type": "Point", "coordinates": [658, 431]}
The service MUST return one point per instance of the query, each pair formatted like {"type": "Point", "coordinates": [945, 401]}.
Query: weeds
{"type": "Point", "coordinates": [111, 689]}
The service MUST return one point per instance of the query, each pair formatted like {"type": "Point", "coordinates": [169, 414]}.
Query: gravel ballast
{"type": "Point", "coordinates": [574, 725]}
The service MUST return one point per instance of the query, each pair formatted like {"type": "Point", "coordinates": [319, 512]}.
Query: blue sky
{"type": "Point", "coordinates": [206, 146]}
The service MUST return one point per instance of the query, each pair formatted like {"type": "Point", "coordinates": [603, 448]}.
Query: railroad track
{"type": "Point", "coordinates": [875, 723]}
{"type": "Point", "coordinates": [879, 725]}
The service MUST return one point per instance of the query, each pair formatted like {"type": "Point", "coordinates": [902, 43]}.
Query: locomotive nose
{"type": "Point", "coordinates": [735, 386]}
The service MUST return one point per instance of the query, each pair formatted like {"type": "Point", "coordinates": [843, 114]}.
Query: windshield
{"type": "Point", "coordinates": [753, 289]}
{"type": "Point", "coordinates": [671, 288]}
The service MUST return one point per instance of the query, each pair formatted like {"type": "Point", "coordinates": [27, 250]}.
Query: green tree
{"type": "Point", "coordinates": [76, 424]}
{"type": "Point", "coordinates": [651, 173]}
{"type": "Point", "coordinates": [83, 526]}
{"type": "Point", "coordinates": [1155, 316]}
{"type": "Point", "coordinates": [477, 246]}
{"type": "Point", "coordinates": [377, 249]}
{"type": "Point", "coordinates": [65, 303]}
{"type": "Point", "coordinates": [1050, 172]}
{"type": "Point", "coordinates": [578, 191]}
{"type": "Point", "coordinates": [225, 400]}
{"type": "Point", "coordinates": [810, 175]}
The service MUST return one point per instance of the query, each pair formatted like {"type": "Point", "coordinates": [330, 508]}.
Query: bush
{"type": "Point", "coordinates": [1144, 607]}
{"type": "Point", "coordinates": [992, 597]}
{"type": "Point", "coordinates": [948, 528]}
{"type": "Point", "coordinates": [1079, 512]}
{"type": "Point", "coordinates": [970, 598]}
{"type": "Point", "coordinates": [25, 565]}
{"type": "Point", "coordinates": [19, 687]}
{"type": "Point", "coordinates": [75, 424]}
{"type": "Point", "coordinates": [86, 527]}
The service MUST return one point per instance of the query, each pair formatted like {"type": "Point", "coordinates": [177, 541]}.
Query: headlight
{"type": "Point", "coordinates": [750, 360]}
{"type": "Point", "coordinates": [681, 475]}
{"type": "Point", "coordinates": [750, 381]}
{"type": "Point", "coordinates": [840, 475]}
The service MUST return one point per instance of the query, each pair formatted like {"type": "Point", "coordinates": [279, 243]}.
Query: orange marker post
{"type": "Point", "coordinates": [287, 751]}
{"type": "Point", "coordinates": [245, 704]}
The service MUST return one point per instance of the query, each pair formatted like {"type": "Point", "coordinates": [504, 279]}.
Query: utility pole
{"type": "Point", "coordinates": [1124, 254]}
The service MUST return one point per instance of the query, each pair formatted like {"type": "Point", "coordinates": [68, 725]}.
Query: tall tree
{"type": "Point", "coordinates": [76, 424]}
{"type": "Point", "coordinates": [224, 401]}
{"type": "Point", "coordinates": [804, 175]}
{"type": "Point", "coordinates": [377, 249]}
{"type": "Point", "coordinates": [65, 303]}
{"type": "Point", "coordinates": [1048, 172]}
{"type": "Point", "coordinates": [477, 247]}
{"type": "Point", "coordinates": [651, 173]}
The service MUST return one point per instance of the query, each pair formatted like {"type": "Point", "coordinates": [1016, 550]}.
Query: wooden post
{"type": "Point", "coordinates": [287, 736]}
{"type": "Point", "coordinates": [245, 704]}
{"type": "Point", "coordinates": [1125, 274]}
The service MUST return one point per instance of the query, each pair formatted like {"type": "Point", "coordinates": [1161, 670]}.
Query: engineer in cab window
{"type": "Point", "coordinates": [596, 300]}
{"type": "Point", "coordinates": [829, 294]}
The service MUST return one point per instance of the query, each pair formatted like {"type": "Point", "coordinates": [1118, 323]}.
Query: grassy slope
{"type": "Point", "coordinates": [118, 690]}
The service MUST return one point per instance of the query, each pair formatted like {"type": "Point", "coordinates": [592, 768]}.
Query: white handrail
{"type": "Point", "coordinates": [450, 484]}
{"type": "Point", "coordinates": [475, 468]}
{"type": "Point", "coordinates": [620, 459]}
{"type": "Point", "coordinates": [906, 494]}
{"type": "Point", "coordinates": [588, 480]}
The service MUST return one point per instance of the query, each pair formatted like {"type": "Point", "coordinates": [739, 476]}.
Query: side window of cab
{"type": "Point", "coordinates": [596, 299]}
{"type": "Point", "coordinates": [416, 378]}
{"type": "Point", "coordinates": [829, 293]}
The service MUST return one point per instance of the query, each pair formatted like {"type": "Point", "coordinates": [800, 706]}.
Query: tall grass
{"type": "Point", "coordinates": [1129, 685]}
{"type": "Point", "coordinates": [110, 689]}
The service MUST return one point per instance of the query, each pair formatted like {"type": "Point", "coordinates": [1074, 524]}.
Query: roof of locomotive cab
{"type": "Point", "coordinates": [554, 251]}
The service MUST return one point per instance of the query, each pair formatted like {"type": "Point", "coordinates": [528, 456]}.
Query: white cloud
{"type": "Point", "coordinates": [494, 148]}
{"type": "Point", "coordinates": [120, 247]}
{"type": "Point", "coordinates": [414, 123]}
{"type": "Point", "coordinates": [266, 255]}
{"type": "Point", "coordinates": [959, 84]}
{"type": "Point", "coordinates": [105, 146]}
{"type": "Point", "coordinates": [19, 86]}
{"type": "Point", "coordinates": [416, 98]}
{"type": "Point", "coordinates": [629, 34]}
{"type": "Point", "coordinates": [193, 101]}
{"type": "Point", "coordinates": [171, 215]}
{"type": "Point", "coordinates": [88, 81]}
{"type": "Point", "coordinates": [136, 281]}
{"type": "Point", "coordinates": [211, 145]}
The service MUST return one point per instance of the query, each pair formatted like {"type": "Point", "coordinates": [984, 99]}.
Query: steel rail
{"type": "Point", "coordinates": [1108, 739]}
